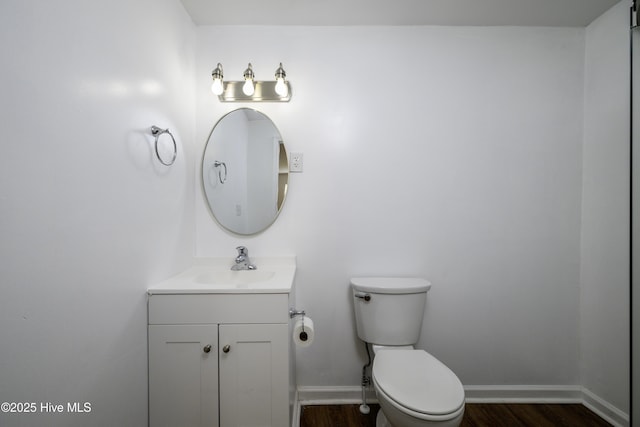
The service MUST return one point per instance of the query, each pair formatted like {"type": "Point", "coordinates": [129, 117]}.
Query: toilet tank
{"type": "Point", "coordinates": [389, 310]}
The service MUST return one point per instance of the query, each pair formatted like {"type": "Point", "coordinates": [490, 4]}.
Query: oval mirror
{"type": "Point", "coordinates": [245, 171]}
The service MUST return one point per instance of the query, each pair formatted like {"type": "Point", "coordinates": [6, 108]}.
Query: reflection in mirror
{"type": "Point", "coordinates": [245, 171]}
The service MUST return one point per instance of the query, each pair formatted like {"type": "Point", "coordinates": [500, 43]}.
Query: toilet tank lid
{"type": "Point", "coordinates": [391, 285]}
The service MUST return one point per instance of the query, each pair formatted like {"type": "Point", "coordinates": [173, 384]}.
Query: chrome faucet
{"type": "Point", "coordinates": [242, 260]}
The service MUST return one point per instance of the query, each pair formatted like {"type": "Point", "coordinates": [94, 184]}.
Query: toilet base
{"type": "Point", "coordinates": [381, 420]}
{"type": "Point", "coordinates": [405, 421]}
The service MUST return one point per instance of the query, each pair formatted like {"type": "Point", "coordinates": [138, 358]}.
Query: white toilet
{"type": "Point", "coordinates": [414, 388]}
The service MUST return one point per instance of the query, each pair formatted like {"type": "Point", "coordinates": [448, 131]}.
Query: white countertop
{"type": "Point", "coordinates": [214, 276]}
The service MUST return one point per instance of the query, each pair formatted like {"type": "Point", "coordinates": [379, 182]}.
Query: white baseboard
{"type": "Point", "coordinates": [295, 410]}
{"type": "Point", "coordinates": [522, 394]}
{"type": "Point", "coordinates": [605, 409]}
{"type": "Point", "coordinates": [346, 395]}
{"type": "Point", "coordinates": [338, 395]}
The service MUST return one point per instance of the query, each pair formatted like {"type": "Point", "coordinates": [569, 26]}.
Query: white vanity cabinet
{"type": "Point", "coordinates": [219, 360]}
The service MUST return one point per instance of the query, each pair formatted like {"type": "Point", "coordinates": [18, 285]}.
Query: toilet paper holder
{"type": "Point", "coordinates": [303, 333]}
{"type": "Point", "coordinates": [293, 313]}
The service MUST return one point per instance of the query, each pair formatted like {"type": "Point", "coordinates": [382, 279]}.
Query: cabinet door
{"type": "Point", "coordinates": [254, 375]}
{"type": "Point", "coordinates": [183, 375]}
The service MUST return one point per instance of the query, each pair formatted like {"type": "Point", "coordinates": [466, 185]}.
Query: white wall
{"type": "Point", "coordinates": [88, 216]}
{"type": "Point", "coordinates": [449, 153]}
{"type": "Point", "coordinates": [604, 304]}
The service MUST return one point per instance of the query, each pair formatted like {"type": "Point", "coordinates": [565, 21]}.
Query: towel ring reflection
{"type": "Point", "coordinates": [217, 164]}
{"type": "Point", "coordinates": [157, 132]}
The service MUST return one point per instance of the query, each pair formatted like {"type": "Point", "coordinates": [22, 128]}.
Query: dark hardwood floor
{"type": "Point", "coordinates": [337, 416]}
{"type": "Point", "coordinates": [476, 415]}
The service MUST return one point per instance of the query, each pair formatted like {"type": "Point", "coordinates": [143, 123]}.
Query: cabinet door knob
{"type": "Point", "coordinates": [226, 348]}
{"type": "Point", "coordinates": [207, 348]}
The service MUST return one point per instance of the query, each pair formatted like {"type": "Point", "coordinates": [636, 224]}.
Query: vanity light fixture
{"type": "Point", "coordinates": [250, 89]}
{"type": "Point", "coordinates": [217, 88]}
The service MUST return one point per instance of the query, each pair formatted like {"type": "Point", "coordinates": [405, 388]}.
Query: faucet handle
{"type": "Point", "coordinates": [242, 250]}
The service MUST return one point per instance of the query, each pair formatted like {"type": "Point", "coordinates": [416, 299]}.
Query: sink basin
{"type": "Point", "coordinates": [214, 275]}
{"type": "Point", "coordinates": [242, 277]}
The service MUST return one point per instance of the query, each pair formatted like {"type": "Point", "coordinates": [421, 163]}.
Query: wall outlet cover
{"type": "Point", "coordinates": [296, 161]}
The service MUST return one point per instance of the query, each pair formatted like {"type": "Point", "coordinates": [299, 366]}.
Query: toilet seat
{"type": "Point", "coordinates": [418, 384]}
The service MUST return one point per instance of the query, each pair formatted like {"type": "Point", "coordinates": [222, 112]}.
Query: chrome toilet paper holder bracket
{"type": "Point", "coordinates": [293, 313]}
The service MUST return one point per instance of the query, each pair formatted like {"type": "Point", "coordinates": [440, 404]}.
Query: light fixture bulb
{"type": "Point", "coordinates": [248, 87]}
{"type": "Point", "coordinates": [217, 87]}
{"type": "Point", "coordinates": [281, 86]}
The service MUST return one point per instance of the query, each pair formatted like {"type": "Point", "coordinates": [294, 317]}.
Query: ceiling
{"type": "Point", "coordinates": [554, 13]}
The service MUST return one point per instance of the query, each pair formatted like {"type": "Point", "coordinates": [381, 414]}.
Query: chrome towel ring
{"type": "Point", "coordinates": [157, 133]}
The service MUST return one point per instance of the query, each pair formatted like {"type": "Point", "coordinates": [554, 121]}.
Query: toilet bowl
{"type": "Point", "coordinates": [415, 389]}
